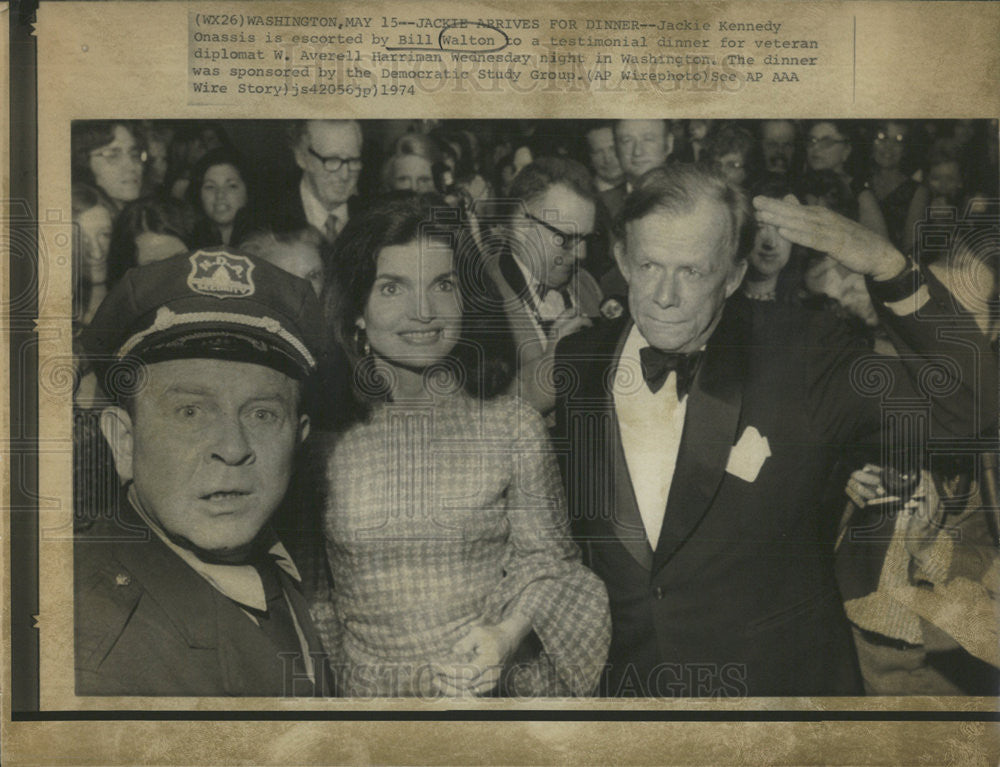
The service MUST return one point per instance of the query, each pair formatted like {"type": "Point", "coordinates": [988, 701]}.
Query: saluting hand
{"type": "Point", "coordinates": [813, 226]}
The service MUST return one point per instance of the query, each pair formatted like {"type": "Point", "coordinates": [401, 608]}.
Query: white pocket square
{"type": "Point", "coordinates": [748, 455]}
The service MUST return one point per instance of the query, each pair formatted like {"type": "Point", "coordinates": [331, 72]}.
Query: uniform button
{"type": "Point", "coordinates": [658, 592]}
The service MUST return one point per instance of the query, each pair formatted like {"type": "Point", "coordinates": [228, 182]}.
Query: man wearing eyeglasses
{"type": "Point", "coordinates": [329, 154]}
{"type": "Point", "coordinates": [547, 294]}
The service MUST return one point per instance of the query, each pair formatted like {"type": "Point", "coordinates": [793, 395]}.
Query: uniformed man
{"type": "Point", "coordinates": [185, 589]}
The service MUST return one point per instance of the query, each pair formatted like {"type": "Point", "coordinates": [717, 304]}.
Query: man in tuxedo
{"type": "Point", "coordinates": [697, 436]}
{"type": "Point", "coordinates": [184, 588]}
{"type": "Point", "coordinates": [329, 154]}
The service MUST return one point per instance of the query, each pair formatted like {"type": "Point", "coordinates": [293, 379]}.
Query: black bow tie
{"type": "Point", "coordinates": [657, 364]}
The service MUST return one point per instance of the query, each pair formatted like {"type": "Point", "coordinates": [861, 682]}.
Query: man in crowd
{"type": "Point", "coordinates": [185, 589]}
{"type": "Point", "coordinates": [329, 154]}
{"type": "Point", "coordinates": [603, 158]}
{"type": "Point", "coordinates": [697, 442]}
{"type": "Point", "coordinates": [777, 143]}
{"type": "Point", "coordinates": [641, 145]}
{"type": "Point", "coordinates": [608, 176]}
{"type": "Point", "coordinates": [547, 295]}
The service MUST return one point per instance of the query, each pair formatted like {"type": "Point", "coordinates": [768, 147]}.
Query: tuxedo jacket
{"type": "Point", "coordinates": [147, 624]}
{"type": "Point", "coordinates": [739, 596]}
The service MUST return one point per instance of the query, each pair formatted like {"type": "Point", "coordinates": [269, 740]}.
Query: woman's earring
{"type": "Point", "coordinates": [361, 346]}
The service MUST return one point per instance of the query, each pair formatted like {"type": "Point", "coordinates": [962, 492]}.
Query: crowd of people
{"type": "Point", "coordinates": [534, 407]}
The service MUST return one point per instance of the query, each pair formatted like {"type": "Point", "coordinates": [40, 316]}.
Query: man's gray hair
{"type": "Point", "coordinates": [676, 189]}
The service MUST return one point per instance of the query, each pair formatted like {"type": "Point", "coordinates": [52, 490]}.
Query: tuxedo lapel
{"type": "Point", "coordinates": [626, 520]}
{"type": "Point", "coordinates": [602, 496]}
{"type": "Point", "coordinates": [710, 424]}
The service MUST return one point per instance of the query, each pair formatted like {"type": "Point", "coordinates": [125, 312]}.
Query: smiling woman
{"type": "Point", "coordinates": [444, 517]}
{"type": "Point", "coordinates": [219, 192]}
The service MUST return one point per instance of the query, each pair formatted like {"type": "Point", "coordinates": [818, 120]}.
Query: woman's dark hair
{"type": "Point", "coordinates": [87, 136]}
{"type": "Point", "coordinates": [188, 145]}
{"type": "Point", "coordinates": [832, 189]}
{"type": "Point", "coordinates": [466, 161]}
{"type": "Point", "coordinates": [84, 197]}
{"type": "Point", "coordinates": [484, 355]}
{"type": "Point", "coordinates": [909, 162]}
{"type": "Point", "coordinates": [222, 155]}
{"type": "Point", "coordinates": [731, 138]}
{"type": "Point", "coordinates": [160, 214]}
{"type": "Point", "coordinates": [734, 139]}
{"type": "Point", "coordinates": [205, 232]}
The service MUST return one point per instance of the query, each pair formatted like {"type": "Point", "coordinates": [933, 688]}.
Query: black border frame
{"type": "Point", "coordinates": [22, 309]}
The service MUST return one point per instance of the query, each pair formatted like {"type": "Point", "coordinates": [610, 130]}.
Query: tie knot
{"type": "Point", "coordinates": [658, 364]}
{"type": "Point", "coordinates": [332, 227]}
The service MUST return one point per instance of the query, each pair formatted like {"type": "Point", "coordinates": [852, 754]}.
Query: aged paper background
{"type": "Point", "coordinates": [131, 60]}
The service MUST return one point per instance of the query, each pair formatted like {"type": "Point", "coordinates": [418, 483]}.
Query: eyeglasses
{"type": "Point", "coordinates": [826, 142]}
{"type": "Point", "coordinates": [899, 138]}
{"type": "Point", "coordinates": [117, 155]}
{"type": "Point", "coordinates": [333, 163]}
{"type": "Point", "coordinates": [565, 240]}
{"type": "Point", "coordinates": [731, 164]}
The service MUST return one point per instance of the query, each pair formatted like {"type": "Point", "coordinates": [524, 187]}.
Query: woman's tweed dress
{"type": "Point", "coordinates": [440, 515]}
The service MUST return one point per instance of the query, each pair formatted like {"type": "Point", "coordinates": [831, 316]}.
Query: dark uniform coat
{"type": "Point", "coordinates": [148, 624]}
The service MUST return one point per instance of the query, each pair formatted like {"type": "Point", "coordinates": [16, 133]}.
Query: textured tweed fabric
{"type": "Point", "coordinates": [442, 514]}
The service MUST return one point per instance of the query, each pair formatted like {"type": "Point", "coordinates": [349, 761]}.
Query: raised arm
{"type": "Point", "coordinates": [948, 361]}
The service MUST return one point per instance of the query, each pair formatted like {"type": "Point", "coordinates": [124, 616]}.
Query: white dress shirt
{"type": "Point", "coordinates": [650, 426]}
{"type": "Point", "coordinates": [316, 212]}
{"type": "Point", "coordinates": [548, 308]}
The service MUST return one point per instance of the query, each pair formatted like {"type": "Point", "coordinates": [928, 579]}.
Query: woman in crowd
{"type": "Point", "coordinates": [901, 199]}
{"type": "Point", "coordinates": [93, 215]}
{"type": "Point", "coordinates": [110, 156]}
{"type": "Point", "coordinates": [158, 138]}
{"type": "Point", "coordinates": [823, 276]}
{"type": "Point", "coordinates": [189, 144]}
{"type": "Point", "coordinates": [729, 151]}
{"type": "Point", "coordinates": [410, 167]}
{"type": "Point", "coordinates": [465, 146]}
{"type": "Point", "coordinates": [774, 269]}
{"type": "Point", "coordinates": [219, 195]}
{"type": "Point", "coordinates": [945, 178]}
{"type": "Point", "coordinates": [828, 146]}
{"type": "Point", "coordinates": [444, 517]}
{"type": "Point", "coordinates": [147, 230]}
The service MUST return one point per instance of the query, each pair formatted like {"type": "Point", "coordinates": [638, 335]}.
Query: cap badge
{"type": "Point", "coordinates": [221, 274]}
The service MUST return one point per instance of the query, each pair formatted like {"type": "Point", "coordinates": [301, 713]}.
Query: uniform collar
{"type": "Point", "coordinates": [240, 583]}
